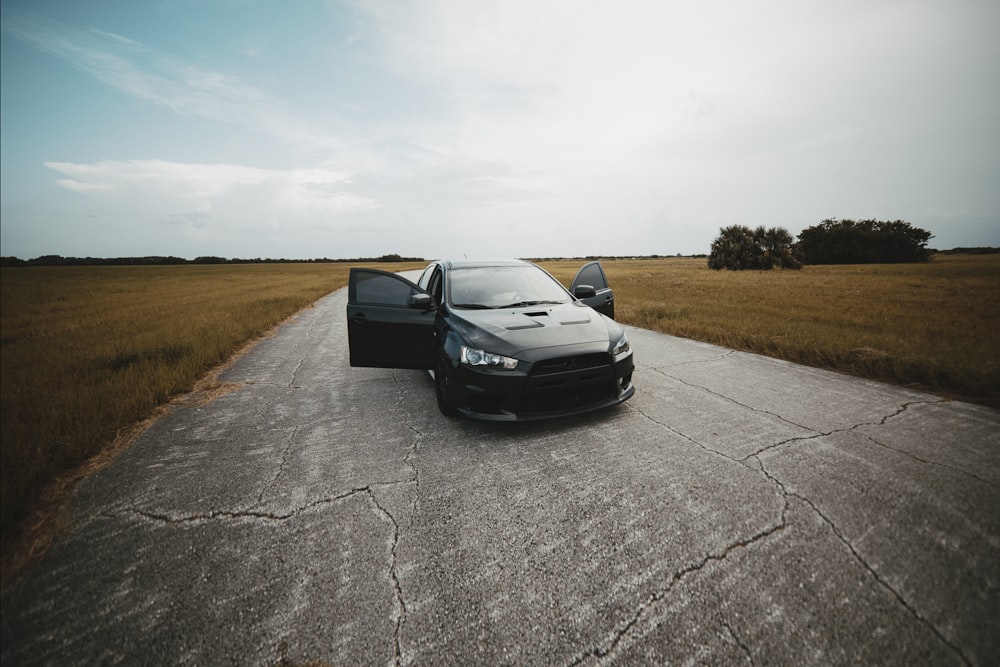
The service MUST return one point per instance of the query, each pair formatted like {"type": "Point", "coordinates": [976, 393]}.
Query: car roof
{"type": "Point", "coordinates": [480, 263]}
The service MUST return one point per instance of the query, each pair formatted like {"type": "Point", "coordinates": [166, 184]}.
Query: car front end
{"type": "Point", "coordinates": [541, 383]}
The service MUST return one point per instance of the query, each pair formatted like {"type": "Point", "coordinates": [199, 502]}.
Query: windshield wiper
{"type": "Point", "coordinates": [521, 304]}
{"type": "Point", "coordinates": [472, 306]}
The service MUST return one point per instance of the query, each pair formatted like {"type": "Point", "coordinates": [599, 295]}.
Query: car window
{"type": "Point", "coordinates": [382, 289]}
{"type": "Point", "coordinates": [503, 286]}
{"type": "Point", "coordinates": [425, 277]}
{"type": "Point", "coordinates": [592, 275]}
{"type": "Point", "coordinates": [435, 286]}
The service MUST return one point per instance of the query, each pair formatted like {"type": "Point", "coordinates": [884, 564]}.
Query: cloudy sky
{"type": "Point", "coordinates": [481, 128]}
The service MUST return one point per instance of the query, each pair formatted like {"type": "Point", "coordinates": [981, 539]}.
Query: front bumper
{"type": "Point", "coordinates": [556, 386]}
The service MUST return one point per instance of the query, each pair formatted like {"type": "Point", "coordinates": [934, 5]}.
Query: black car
{"type": "Point", "coordinates": [504, 339]}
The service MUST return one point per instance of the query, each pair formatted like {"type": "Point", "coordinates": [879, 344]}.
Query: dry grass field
{"type": "Point", "coordinates": [90, 351]}
{"type": "Point", "coordinates": [933, 326]}
{"type": "Point", "coordinates": [87, 352]}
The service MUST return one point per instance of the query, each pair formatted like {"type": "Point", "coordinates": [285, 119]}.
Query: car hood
{"type": "Point", "coordinates": [513, 331]}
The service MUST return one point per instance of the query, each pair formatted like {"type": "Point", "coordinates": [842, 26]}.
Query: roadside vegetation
{"type": "Point", "coordinates": [739, 248]}
{"type": "Point", "coordinates": [863, 242]}
{"type": "Point", "coordinates": [89, 352]}
{"type": "Point", "coordinates": [931, 326]}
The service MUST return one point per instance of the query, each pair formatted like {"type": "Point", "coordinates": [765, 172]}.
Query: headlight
{"type": "Point", "coordinates": [621, 347]}
{"type": "Point", "coordinates": [473, 357]}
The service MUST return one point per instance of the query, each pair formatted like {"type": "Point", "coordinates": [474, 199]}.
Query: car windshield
{"type": "Point", "coordinates": [504, 287]}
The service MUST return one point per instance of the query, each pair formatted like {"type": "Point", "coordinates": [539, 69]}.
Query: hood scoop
{"type": "Point", "coordinates": [518, 322]}
{"type": "Point", "coordinates": [575, 318]}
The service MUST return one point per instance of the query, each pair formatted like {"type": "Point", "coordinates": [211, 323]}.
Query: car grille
{"type": "Point", "coordinates": [564, 383]}
{"type": "Point", "coordinates": [581, 362]}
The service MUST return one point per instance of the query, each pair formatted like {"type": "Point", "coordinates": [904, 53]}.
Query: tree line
{"type": "Point", "coordinates": [154, 260]}
{"type": "Point", "coordinates": [831, 242]}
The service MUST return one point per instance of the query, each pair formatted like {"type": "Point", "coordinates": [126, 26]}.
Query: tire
{"type": "Point", "coordinates": [442, 378]}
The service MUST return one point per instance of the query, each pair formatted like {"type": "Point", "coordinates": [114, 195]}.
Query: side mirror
{"type": "Point", "coordinates": [584, 291]}
{"type": "Point", "coordinates": [420, 301]}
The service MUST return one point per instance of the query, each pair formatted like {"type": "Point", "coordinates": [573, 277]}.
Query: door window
{"type": "Point", "coordinates": [382, 289]}
{"type": "Point", "coordinates": [435, 287]}
{"type": "Point", "coordinates": [592, 274]}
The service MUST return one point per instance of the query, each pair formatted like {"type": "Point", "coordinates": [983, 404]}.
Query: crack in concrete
{"type": "Point", "coordinates": [292, 384]}
{"type": "Point", "coordinates": [860, 559]}
{"type": "Point", "coordinates": [313, 322]}
{"type": "Point", "coordinates": [885, 584]}
{"type": "Point", "coordinates": [635, 408]}
{"type": "Point", "coordinates": [369, 493]}
{"type": "Point", "coordinates": [739, 642]}
{"type": "Point", "coordinates": [733, 400]}
{"type": "Point", "coordinates": [401, 610]}
{"type": "Point", "coordinates": [242, 514]}
{"type": "Point", "coordinates": [418, 434]}
{"type": "Point", "coordinates": [933, 463]}
{"type": "Point", "coordinates": [901, 409]}
{"type": "Point", "coordinates": [409, 461]}
{"type": "Point", "coordinates": [803, 438]}
{"type": "Point", "coordinates": [281, 465]}
{"type": "Point", "coordinates": [602, 653]}
{"type": "Point", "coordinates": [646, 608]}
{"type": "Point", "coordinates": [693, 362]}
{"type": "Point", "coordinates": [262, 407]}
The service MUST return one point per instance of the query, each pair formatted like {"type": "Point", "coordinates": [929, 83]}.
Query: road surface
{"type": "Point", "coordinates": [738, 510]}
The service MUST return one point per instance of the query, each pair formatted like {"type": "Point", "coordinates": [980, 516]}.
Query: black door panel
{"type": "Point", "coordinates": [603, 300]}
{"type": "Point", "coordinates": [383, 331]}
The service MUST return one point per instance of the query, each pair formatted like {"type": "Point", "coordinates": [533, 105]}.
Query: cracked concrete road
{"type": "Point", "coordinates": [739, 510]}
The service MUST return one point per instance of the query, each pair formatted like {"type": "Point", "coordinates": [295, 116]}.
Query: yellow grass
{"type": "Point", "coordinates": [932, 326]}
{"type": "Point", "coordinates": [88, 352]}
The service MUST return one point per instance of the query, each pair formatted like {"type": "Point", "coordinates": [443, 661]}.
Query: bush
{"type": "Point", "coordinates": [863, 242]}
{"type": "Point", "coordinates": [739, 248]}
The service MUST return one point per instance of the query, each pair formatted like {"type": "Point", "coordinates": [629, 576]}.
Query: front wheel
{"type": "Point", "coordinates": [442, 378]}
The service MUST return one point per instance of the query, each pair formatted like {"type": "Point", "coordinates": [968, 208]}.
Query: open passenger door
{"type": "Point", "coordinates": [591, 286]}
{"type": "Point", "coordinates": [390, 321]}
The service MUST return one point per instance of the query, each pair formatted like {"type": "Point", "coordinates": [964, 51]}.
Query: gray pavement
{"type": "Point", "coordinates": [739, 510]}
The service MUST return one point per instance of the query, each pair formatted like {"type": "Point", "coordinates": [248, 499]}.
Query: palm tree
{"type": "Point", "coordinates": [777, 245]}
{"type": "Point", "coordinates": [738, 248]}
{"type": "Point", "coordinates": [734, 249]}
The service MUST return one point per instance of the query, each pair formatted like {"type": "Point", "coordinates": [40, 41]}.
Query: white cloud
{"type": "Point", "coordinates": [124, 40]}
{"type": "Point", "coordinates": [697, 112]}
{"type": "Point", "coordinates": [83, 186]}
{"type": "Point", "coordinates": [176, 185]}
{"type": "Point", "coordinates": [558, 127]}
